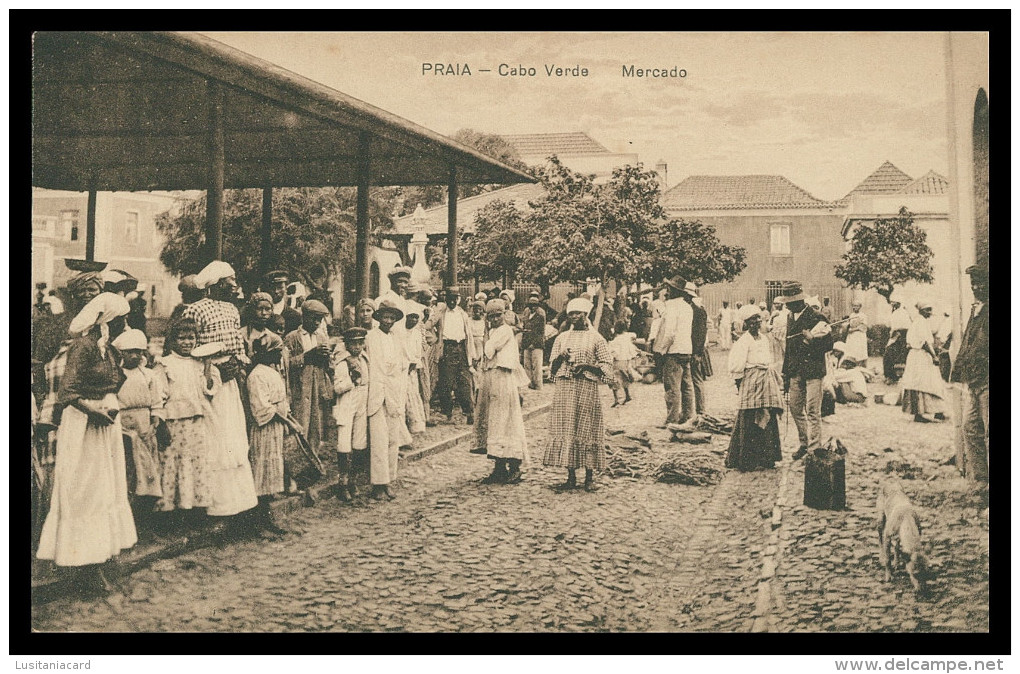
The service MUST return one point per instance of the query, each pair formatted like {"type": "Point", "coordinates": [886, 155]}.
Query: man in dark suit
{"type": "Point", "coordinates": [809, 338]}
{"type": "Point", "coordinates": [700, 367]}
{"type": "Point", "coordinates": [971, 368]}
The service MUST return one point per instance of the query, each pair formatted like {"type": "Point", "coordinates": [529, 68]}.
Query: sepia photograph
{"type": "Point", "coordinates": [510, 332]}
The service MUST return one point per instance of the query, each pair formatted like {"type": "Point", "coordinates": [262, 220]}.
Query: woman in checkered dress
{"type": "Point", "coordinates": [754, 444]}
{"type": "Point", "coordinates": [581, 360]}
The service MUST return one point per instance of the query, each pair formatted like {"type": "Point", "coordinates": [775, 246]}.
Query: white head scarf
{"type": "Point", "coordinates": [100, 310]}
{"type": "Point", "coordinates": [214, 272]}
{"type": "Point", "coordinates": [580, 304]}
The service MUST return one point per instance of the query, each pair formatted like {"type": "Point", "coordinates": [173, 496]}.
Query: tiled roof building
{"type": "Point", "coordinates": [929, 183]}
{"type": "Point", "coordinates": [886, 179]}
{"type": "Point", "coordinates": [546, 144]}
{"type": "Point", "coordinates": [738, 192]}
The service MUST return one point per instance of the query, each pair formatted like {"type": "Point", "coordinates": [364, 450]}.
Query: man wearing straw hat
{"type": "Point", "coordinates": [808, 339]}
{"type": "Point", "coordinates": [674, 343]}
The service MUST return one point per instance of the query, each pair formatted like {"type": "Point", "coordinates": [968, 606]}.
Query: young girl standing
{"type": "Point", "coordinates": [140, 406]}
{"type": "Point", "coordinates": [184, 469]}
{"type": "Point", "coordinates": [269, 408]}
{"type": "Point", "coordinates": [624, 352]}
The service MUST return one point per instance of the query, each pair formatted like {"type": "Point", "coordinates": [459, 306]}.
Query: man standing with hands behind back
{"type": "Point", "coordinates": [809, 338]}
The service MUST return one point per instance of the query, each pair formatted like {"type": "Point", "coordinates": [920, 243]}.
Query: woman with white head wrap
{"type": "Point", "coordinates": [754, 443]}
{"type": "Point", "coordinates": [499, 422]}
{"type": "Point", "coordinates": [580, 361]}
{"type": "Point", "coordinates": [857, 334]}
{"type": "Point", "coordinates": [90, 518]}
{"type": "Point", "coordinates": [922, 385]}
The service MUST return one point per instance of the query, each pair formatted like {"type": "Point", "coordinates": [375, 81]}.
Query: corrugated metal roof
{"type": "Point", "coordinates": [930, 183]}
{"type": "Point", "coordinates": [547, 144]}
{"type": "Point", "coordinates": [886, 179]}
{"type": "Point", "coordinates": [738, 192]}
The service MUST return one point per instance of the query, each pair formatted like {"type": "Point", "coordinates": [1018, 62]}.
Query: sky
{"type": "Point", "coordinates": [822, 109]}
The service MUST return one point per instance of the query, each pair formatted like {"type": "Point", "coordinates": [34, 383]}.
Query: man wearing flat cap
{"type": "Point", "coordinates": [971, 368]}
{"type": "Point", "coordinates": [809, 338]}
{"type": "Point", "coordinates": [275, 283]}
{"type": "Point", "coordinates": [350, 381]}
{"type": "Point", "coordinates": [311, 383]}
{"type": "Point", "coordinates": [457, 354]}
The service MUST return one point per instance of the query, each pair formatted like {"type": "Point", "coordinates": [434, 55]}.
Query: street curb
{"type": "Point", "coordinates": [128, 563]}
{"type": "Point", "coordinates": [455, 440]}
{"type": "Point", "coordinates": [763, 620]}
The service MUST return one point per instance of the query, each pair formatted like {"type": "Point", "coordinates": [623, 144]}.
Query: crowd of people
{"type": "Point", "coordinates": [249, 400]}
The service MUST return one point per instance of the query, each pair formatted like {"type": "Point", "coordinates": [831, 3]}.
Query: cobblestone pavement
{"type": "Point", "coordinates": [453, 555]}
{"type": "Point", "coordinates": [829, 576]}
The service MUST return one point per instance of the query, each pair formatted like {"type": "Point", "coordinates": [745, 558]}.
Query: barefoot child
{"type": "Point", "coordinates": [184, 456]}
{"type": "Point", "coordinates": [269, 409]}
{"type": "Point", "coordinates": [624, 352]}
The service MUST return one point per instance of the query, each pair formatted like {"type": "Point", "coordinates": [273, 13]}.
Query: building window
{"type": "Point", "coordinates": [44, 225]}
{"type": "Point", "coordinates": [131, 227]}
{"type": "Point", "coordinates": [773, 289]}
{"type": "Point", "coordinates": [780, 239]}
{"type": "Point", "coordinates": [69, 224]}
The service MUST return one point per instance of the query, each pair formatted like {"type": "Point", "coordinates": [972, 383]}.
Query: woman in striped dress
{"type": "Point", "coordinates": [755, 444]}
{"type": "Point", "coordinates": [581, 360]}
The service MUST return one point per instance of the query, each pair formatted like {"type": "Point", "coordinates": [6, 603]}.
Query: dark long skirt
{"type": "Point", "coordinates": [895, 354]}
{"type": "Point", "coordinates": [751, 446]}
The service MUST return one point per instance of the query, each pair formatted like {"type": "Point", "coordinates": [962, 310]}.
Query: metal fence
{"type": "Point", "coordinates": [557, 293]}
{"type": "Point", "coordinates": [713, 296]}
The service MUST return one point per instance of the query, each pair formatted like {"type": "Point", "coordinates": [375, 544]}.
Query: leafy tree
{"type": "Point", "coordinates": [496, 249]}
{"type": "Point", "coordinates": [313, 234]}
{"type": "Point", "coordinates": [692, 250]}
{"type": "Point", "coordinates": [581, 229]}
{"type": "Point", "coordinates": [887, 253]}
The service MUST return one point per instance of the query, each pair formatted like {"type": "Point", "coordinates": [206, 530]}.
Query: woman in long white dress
{"type": "Point", "coordinates": [499, 421]}
{"type": "Point", "coordinates": [90, 519]}
{"type": "Point", "coordinates": [922, 386]}
{"type": "Point", "coordinates": [232, 483]}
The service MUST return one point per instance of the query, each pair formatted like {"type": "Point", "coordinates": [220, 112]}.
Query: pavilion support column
{"type": "Point", "coordinates": [217, 165]}
{"type": "Point", "coordinates": [267, 258]}
{"type": "Point", "coordinates": [364, 227]}
{"type": "Point", "coordinates": [90, 227]}
{"type": "Point", "coordinates": [451, 228]}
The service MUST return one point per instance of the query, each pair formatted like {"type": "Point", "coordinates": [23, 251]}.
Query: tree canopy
{"type": "Point", "coordinates": [617, 230]}
{"type": "Point", "coordinates": [313, 234]}
{"type": "Point", "coordinates": [887, 253]}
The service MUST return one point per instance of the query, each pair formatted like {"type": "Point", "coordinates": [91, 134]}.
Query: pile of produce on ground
{"type": "Point", "coordinates": [637, 456]}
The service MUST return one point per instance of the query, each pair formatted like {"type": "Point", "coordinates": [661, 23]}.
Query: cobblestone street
{"type": "Point", "coordinates": [453, 555]}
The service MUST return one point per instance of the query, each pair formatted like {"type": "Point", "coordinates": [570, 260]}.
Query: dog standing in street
{"type": "Point", "coordinates": [899, 534]}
